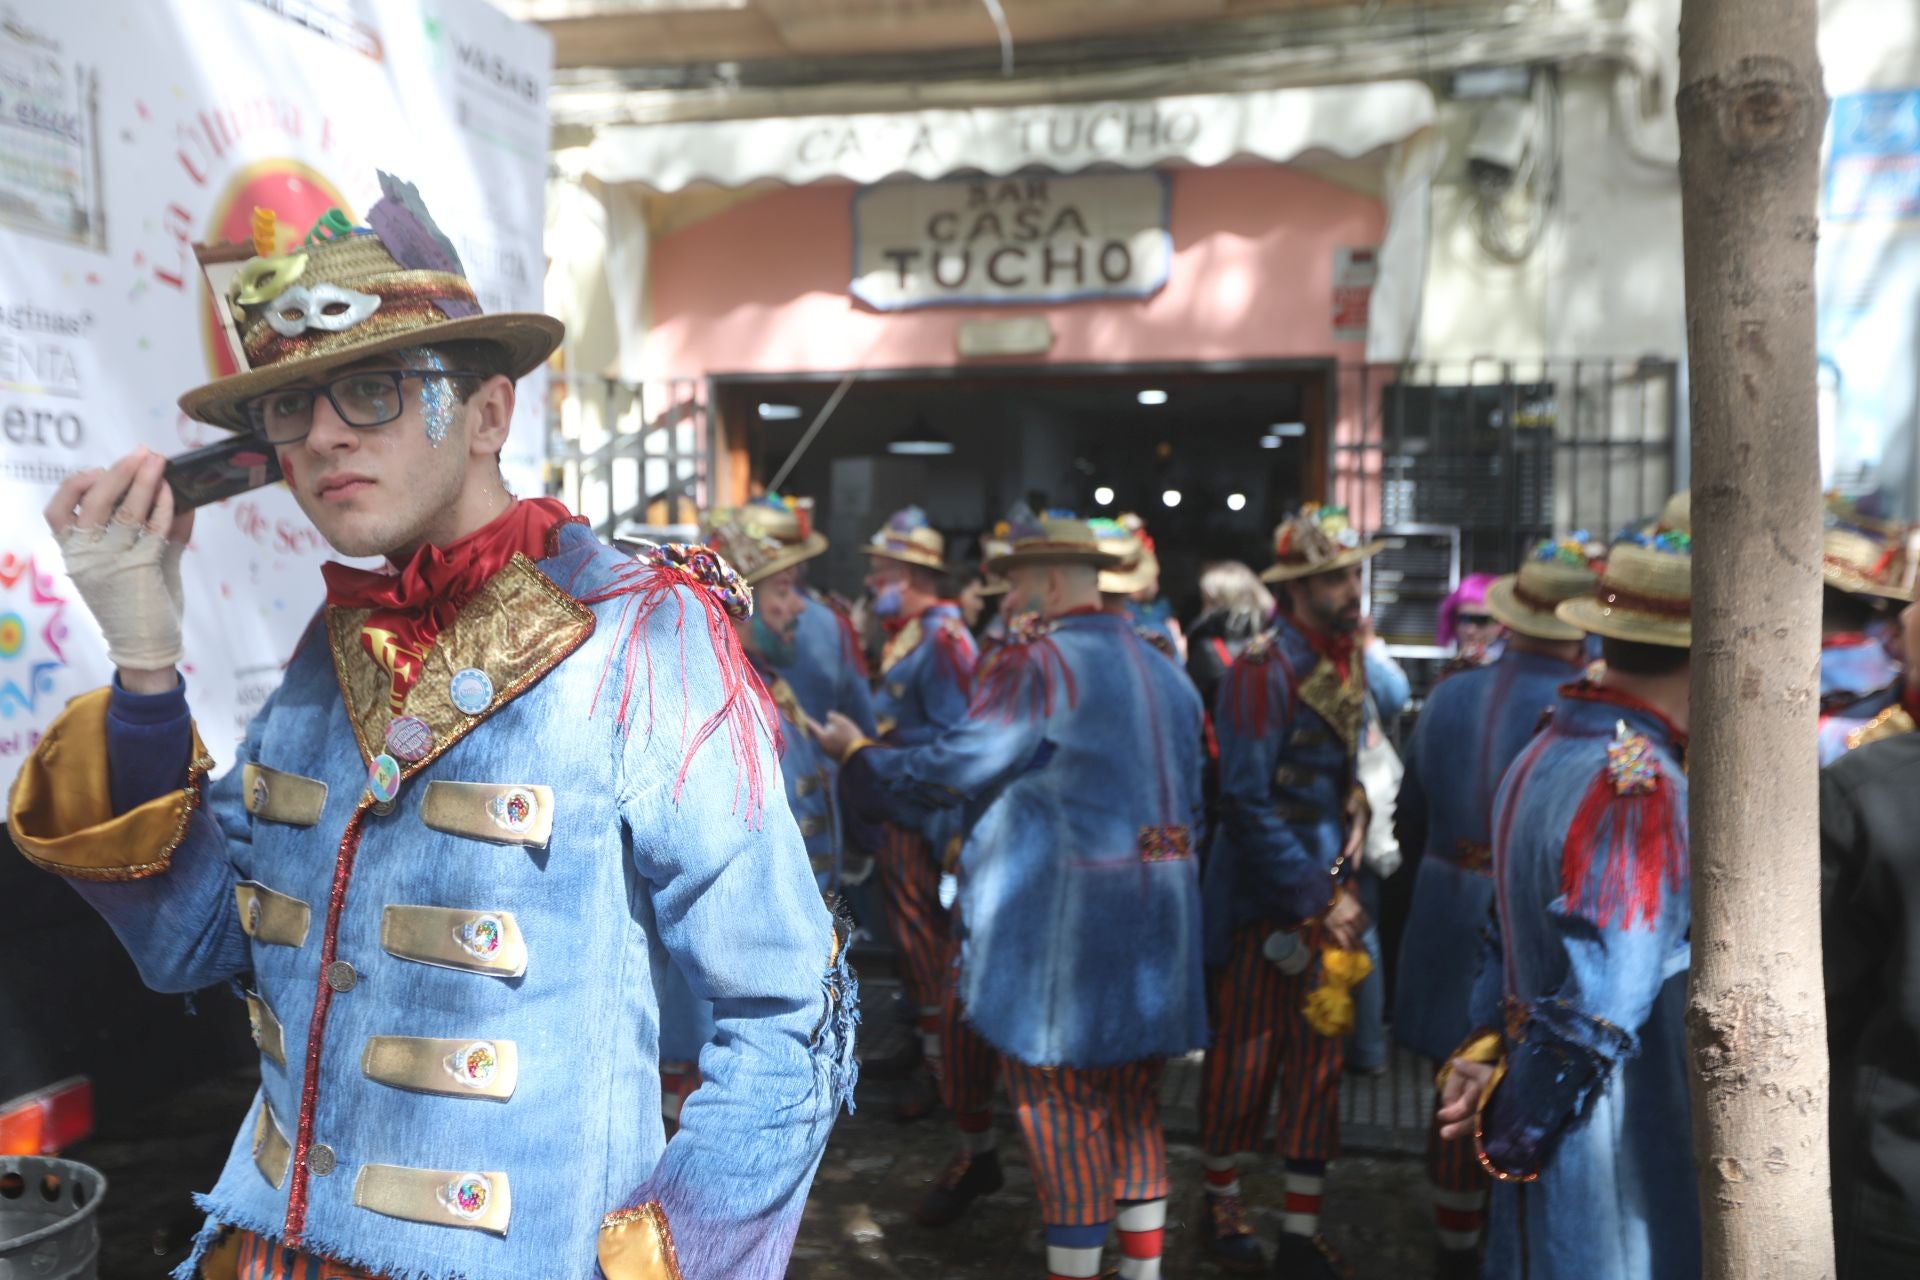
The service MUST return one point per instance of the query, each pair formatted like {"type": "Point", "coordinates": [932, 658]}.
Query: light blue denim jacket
{"type": "Point", "coordinates": [532, 956]}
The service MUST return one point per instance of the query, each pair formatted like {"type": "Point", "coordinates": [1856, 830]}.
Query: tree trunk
{"type": "Point", "coordinates": [1751, 111]}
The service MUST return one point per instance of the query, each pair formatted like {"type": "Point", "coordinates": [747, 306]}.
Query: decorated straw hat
{"type": "Point", "coordinates": [1677, 514]}
{"type": "Point", "coordinates": [1645, 595]}
{"type": "Point", "coordinates": [1317, 540]}
{"type": "Point", "coordinates": [1127, 538]}
{"type": "Point", "coordinates": [765, 537]}
{"type": "Point", "coordinates": [1055, 538]}
{"type": "Point", "coordinates": [1557, 570]}
{"type": "Point", "coordinates": [302, 307]}
{"type": "Point", "coordinates": [993, 546]}
{"type": "Point", "coordinates": [909, 539]}
{"type": "Point", "coordinates": [1865, 556]}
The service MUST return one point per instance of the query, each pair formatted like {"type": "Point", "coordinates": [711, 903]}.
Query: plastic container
{"type": "Point", "coordinates": [49, 1219]}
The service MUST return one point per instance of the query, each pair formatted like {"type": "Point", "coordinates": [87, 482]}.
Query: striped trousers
{"type": "Point", "coordinates": [1260, 1039]}
{"type": "Point", "coordinates": [1092, 1136]}
{"type": "Point", "coordinates": [972, 1065]}
{"type": "Point", "coordinates": [1453, 1166]}
{"type": "Point", "coordinates": [910, 890]}
{"type": "Point", "coordinates": [242, 1255]}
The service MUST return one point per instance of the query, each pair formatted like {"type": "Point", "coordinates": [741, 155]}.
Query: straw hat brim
{"type": "Point", "coordinates": [812, 545]}
{"type": "Point", "coordinates": [920, 559]}
{"type": "Point", "coordinates": [525, 340]}
{"type": "Point", "coordinates": [1090, 556]}
{"type": "Point", "coordinates": [1345, 560]}
{"type": "Point", "coordinates": [1861, 585]}
{"type": "Point", "coordinates": [1589, 615]}
{"type": "Point", "coordinates": [1124, 582]}
{"type": "Point", "coordinates": [1514, 616]}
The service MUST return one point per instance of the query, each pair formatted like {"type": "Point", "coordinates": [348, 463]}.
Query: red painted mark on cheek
{"type": "Point", "coordinates": [287, 468]}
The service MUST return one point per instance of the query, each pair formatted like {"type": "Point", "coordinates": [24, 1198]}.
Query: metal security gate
{"type": "Point", "coordinates": [624, 453]}
{"type": "Point", "coordinates": [1506, 451]}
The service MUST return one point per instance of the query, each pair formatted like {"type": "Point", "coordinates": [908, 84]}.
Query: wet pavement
{"type": "Point", "coordinates": [858, 1223]}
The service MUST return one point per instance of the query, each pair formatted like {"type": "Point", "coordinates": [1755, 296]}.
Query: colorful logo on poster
{"type": "Point", "coordinates": [296, 193]}
{"type": "Point", "coordinates": [31, 633]}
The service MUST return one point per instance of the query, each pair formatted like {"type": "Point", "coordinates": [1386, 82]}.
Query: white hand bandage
{"type": "Point", "coordinates": [130, 581]}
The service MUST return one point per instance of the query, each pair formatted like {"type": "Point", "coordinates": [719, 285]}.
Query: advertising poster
{"type": "Point", "coordinates": [127, 133]}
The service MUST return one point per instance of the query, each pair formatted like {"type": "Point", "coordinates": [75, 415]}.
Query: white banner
{"type": "Point", "coordinates": [1011, 240]}
{"type": "Point", "coordinates": [130, 131]}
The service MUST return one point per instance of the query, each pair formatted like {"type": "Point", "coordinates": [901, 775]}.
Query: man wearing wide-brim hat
{"type": "Point", "coordinates": [1133, 585]}
{"type": "Point", "coordinates": [924, 679]}
{"type": "Point", "coordinates": [1473, 725]}
{"type": "Point", "coordinates": [1080, 762]}
{"type": "Point", "coordinates": [500, 787]}
{"type": "Point", "coordinates": [1284, 919]}
{"type": "Point", "coordinates": [1867, 569]}
{"type": "Point", "coordinates": [1574, 1088]}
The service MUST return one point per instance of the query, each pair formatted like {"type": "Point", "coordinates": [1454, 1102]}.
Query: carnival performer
{"type": "Point", "coordinates": [1284, 921]}
{"type": "Point", "coordinates": [1133, 587]}
{"type": "Point", "coordinates": [1081, 962]}
{"type": "Point", "coordinates": [1473, 726]}
{"type": "Point", "coordinates": [926, 673]}
{"type": "Point", "coordinates": [1574, 1088]}
{"type": "Point", "coordinates": [1865, 565]}
{"type": "Point", "coordinates": [504, 786]}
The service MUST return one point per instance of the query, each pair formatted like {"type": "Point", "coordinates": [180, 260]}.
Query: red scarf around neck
{"type": "Point", "coordinates": [1335, 649]}
{"type": "Point", "coordinates": [412, 606]}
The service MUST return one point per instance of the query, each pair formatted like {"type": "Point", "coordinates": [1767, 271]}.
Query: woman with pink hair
{"type": "Point", "coordinates": [1465, 623]}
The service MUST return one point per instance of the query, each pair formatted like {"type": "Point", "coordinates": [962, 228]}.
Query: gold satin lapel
{"type": "Point", "coordinates": [636, 1244]}
{"type": "Point", "coordinates": [899, 647]}
{"type": "Point", "coordinates": [439, 1197]}
{"type": "Point", "coordinates": [517, 627]}
{"type": "Point", "coordinates": [497, 812]}
{"type": "Point", "coordinates": [470, 1068]}
{"type": "Point", "coordinates": [282, 797]}
{"type": "Point", "coordinates": [1341, 703]}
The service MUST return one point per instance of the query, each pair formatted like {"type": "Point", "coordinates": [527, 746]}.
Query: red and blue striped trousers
{"type": "Point", "coordinates": [910, 889]}
{"type": "Point", "coordinates": [1092, 1136]}
{"type": "Point", "coordinates": [246, 1256]}
{"type": "Point", "coordinates": [1260, 1039]}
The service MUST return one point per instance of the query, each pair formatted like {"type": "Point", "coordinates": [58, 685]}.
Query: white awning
{"type": "Point", "coordinates": [1197, 129]}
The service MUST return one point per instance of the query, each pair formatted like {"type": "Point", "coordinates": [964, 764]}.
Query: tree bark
{"type": "Point", "coordinates": [1751, 111]}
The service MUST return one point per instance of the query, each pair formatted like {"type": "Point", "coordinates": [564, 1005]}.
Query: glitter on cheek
{"type": "Point", "coordinates": [436, 408]}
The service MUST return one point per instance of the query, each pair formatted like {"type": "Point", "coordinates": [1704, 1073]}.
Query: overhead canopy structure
{"type": "Point", "coordinates": [1275, 125]}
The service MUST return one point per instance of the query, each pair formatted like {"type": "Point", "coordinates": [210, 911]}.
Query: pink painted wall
{"type": "Point", "coordinates": [762, 287]}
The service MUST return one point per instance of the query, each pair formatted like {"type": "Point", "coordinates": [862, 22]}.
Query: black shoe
{"type": "Point", "coordinates": [1229, 1241]}
{"type": "Point", "coordinates": [1298, 1257]}
{"type": "Point", "coordinates": [1456, 1264]}
{"type": "Point", "coordinates": [969, 1176]}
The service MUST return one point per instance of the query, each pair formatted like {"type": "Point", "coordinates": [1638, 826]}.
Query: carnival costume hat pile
{"type": "Point", "coordinates": [1645, 595]}
{"type": "Point", "coordinates": [347, 292]}
{"type": "Point", "coordinates": [1558, 570]}
{"type": "Point", "coordinates": [1317, 540]}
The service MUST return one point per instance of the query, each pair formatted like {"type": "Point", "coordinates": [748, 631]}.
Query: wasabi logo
{"type": "Point", "coordinates": [32, 632]}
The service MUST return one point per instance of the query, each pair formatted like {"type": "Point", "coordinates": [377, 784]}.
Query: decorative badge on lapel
{"type": "Point", "coordinates": [467, 1196]}
{"type": "Point", "coordinates": [471, 690]}
{"type": "Point", "coordinates": [499, 813]}
{"type": "Point", "coordinates": [410, 739]}
{"type": "Point", "coordinates": [383, 779]}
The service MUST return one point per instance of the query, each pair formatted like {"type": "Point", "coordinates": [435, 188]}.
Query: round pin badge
{"type": "Point", "coordinates": [383, 778]}
{"type": "Point", "coordinates": [409, 738]}
{"type": "Point", "coordinates": [471, 690]}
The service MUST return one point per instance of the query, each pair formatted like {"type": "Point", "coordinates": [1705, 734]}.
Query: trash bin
{"type": "Point", "coordinates": [48, 1224]}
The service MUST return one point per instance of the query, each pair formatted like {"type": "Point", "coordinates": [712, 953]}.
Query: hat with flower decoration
{"type": "Point", "coordinates": [295, 311]}
{"type": "Point", "coordinates": [766, 536]}
{"type": "Point", "coordinates": [1055, 538]}
{"type": "Point", "coordinates": [1645, 595]}
{"type": "Point", "coordinates": [1556, 570]}
{"type": "Point", "coordinates": [909, 539]}
{"type": "Point", "coordinates": [1317, 540]}
{"type": "Point", "coordinates": [1127, 537]}
{"type": "Point", "coordinates": [1865, 556]}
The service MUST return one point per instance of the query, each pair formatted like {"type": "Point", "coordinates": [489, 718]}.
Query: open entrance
{"type": "Point", "coordinates": [1209, 456]}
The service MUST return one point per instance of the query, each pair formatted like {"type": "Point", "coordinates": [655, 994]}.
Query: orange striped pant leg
{"type": "Point", "coordinates": [972, 1065]}
{"type": "Point", "coordinates": [1140, 1143]}
{"type": "Point", "coordinates": [1066, 1129]}
{"type": "Point", "coordinates": [910, 889]}
{"type": "Point", "coordinates": [257, 1258]}
{"type": "Point", "coordinates": [1242, 1063]}
{"type": "Point", "coordinates": [1310, 1065]}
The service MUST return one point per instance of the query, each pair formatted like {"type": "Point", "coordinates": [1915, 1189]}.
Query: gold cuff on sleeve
{"type": "Point", "coordinates": [637, 1244]}
{"type": "Point", "coordinates": [855, 747]}
{"type": "Point", "coordinates": [61, 810]}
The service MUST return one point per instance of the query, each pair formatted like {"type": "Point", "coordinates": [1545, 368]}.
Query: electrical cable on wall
{"type": "Point", "coordinates": [999, 16]}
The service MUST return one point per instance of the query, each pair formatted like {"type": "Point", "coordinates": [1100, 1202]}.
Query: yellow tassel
{"type": "Point", "coordinates": [266, 232]}
{"type": "Point", "coordinates": [1329, 1006]}
{"type": "Point", "coordinates": [1346, 968]}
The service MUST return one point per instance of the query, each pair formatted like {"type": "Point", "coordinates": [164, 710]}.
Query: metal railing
{"type": "Point", "coordinates": [629, 452]}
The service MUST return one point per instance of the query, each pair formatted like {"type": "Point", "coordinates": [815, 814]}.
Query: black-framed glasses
{"type": "Point", "coordinates": [363, 398]}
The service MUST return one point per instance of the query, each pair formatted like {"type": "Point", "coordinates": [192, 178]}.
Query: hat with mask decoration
{"type": "Point", "coordinates": [909, 539]}
{"type": "Point", "coordinates": [1317, 540]}
{"type": "Point", "coordinates": [297, 311]}
{"type": "Point", "coordinates": [765, 537]}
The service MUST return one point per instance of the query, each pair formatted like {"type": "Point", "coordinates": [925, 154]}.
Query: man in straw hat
{"type": "Point", "coordinates": [501, 788]}
{"type": "Point", "coordinates": [1079, 763]}
{"type": "Point", "coordinates": [1574, 1090]}
{"type": "Point", "coordinates": [1133, 586]}
{"type": "Point", "coordinates": [926, 674]}
{"type": "Point", "coordinates": [1284, 920]}
{"type": "Point", "coordinates": [1473, 725]}
{"type": "Point", "coordinates": [1865, 564]}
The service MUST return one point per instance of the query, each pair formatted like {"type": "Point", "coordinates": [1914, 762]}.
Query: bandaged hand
{"type": "Point", "coordinates": [121, 542]}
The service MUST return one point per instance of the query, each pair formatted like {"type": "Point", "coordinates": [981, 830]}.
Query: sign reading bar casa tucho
{"type": "Point", "coordinates": [1024, 239]}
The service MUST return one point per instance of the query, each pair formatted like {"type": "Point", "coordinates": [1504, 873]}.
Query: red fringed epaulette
{"type": "Point", "coordinates": [1249, 695]}
{"type": "Point", "coordinates": [746, 709]}
{"type": "Point", "coordinates": [955, 654]}
{"type": "Point", "coordinates": [1627, 818]}
{"type": "Point", "coordinates": [1025, 676]}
